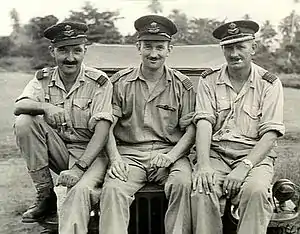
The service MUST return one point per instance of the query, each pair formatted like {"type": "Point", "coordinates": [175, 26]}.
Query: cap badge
{"type": "Point", "coordinates": [153, 28]}
{"type": "Point", "coordinates": [68, 31]}
{"type": "Point", "coordinates": [233, 29]}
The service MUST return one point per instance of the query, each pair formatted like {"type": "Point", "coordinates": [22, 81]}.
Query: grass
{"type": "Point", "coordinates": [16, 189]}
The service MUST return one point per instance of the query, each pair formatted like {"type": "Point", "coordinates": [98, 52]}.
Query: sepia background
{"type": "Point", "coordinates": [23, 50]}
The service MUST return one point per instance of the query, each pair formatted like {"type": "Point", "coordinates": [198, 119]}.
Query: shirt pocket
{"type": "Point", "coordinates": [251, 119]}
{"type": "Point", "coordinates": [223, 108]}
{"type": "Point", "coordinates": [169, 114]}
{"type": "Point", "coordinates": [56, 101]}
{"type": "Point", "coordinates": [81, 112]}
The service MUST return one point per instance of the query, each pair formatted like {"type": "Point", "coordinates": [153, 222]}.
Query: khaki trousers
{"type": "Point", "coordinates": [118, 195]}
{"type": "Point", "coordinates": [254, 201]}
{"type": "Point", "coordinates": [41, 147]}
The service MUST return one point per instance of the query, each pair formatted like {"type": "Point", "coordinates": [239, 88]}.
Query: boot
{"type": "Point", "coordinates": [44, 207]}
{"type": "Point", "coordinates": [46, 201]}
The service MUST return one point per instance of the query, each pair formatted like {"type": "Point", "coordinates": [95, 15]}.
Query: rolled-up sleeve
{"type": "Point", "coordinates": [204, 103]}
{"type": "Point", "coordinates": [188, 108]}
{"type": "Point", "coordinates": [33, 91]}
{"type": "Point", "coordinates": [101, 108]}
{"type": "Point", "coordinates": [272, 110]}
{"type": "Point", "coordinates": [116, 101]}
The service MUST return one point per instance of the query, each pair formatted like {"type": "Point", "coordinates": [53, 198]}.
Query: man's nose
{"type": "Point", "coordinates": [234, 52]}
{"type": "Point", "coordinates": [153, 53]}
{"type": "Point", "coordinates": [70, 56]}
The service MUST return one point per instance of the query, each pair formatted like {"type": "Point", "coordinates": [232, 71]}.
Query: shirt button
{"type": "Point", "coordinates": [227, 131]}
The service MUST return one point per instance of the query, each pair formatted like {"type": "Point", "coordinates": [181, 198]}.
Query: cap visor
{"type": "Point", "coordinates": [153, 37]}
{"type": "Point", "coordinates": [73, 41]}
{"type": "Point", "coordinates": [236, 40]}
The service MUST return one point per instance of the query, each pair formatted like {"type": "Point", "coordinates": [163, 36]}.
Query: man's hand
{"type": "Point", "coordinates": [70, 177]}
{"type": "Point", "coordinates": [55, 116]}
{"type": "Point", "coordinates": [204, 179]}
{"type": "Point", "coordinates": [161, 160]}
{"type": "Point", "coordinates": [118, 169]}
{"type": "Point", "coordinates": [234, 180]}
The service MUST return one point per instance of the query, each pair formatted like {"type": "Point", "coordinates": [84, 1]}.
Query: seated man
{"type": "Point", "coordinates": [239, 116]}
{"type": "Point", "coordinates": [152, 133]}
{"type": "Point", "coordinates": [64, 115]}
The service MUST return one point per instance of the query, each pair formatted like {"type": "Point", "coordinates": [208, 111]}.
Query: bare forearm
{"type": "Point", "coordinates": [111, 146]}
{"type": "Point", "coordinates": [203, 141]}
{"type": "Point", "coordinates": [264, 145]}
{"type": "Point", "coordinates": [30, 107]}
{"type": "Point", "coordinates": [184, 144]}
{"type": "Point", "coordinates": [97, 142]}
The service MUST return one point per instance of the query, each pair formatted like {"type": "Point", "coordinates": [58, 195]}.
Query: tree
{"type": "Point", "coordinates": [288, 26]}
{"type": "Point", "coordinates": [14, 15]}
{"type": "Point", "coordinates": [37, 25]}
{"type": "Point", "coordinates": [131, 39]}
{"type": "Point", "coordinates": [246, 17]}
{"type": "Point", "coordinates": [182, 23]}
{"type": "Point", "coordinates": [267, 35]}
{"type": "Point", "coordinates": [155, 6]}
{"type": "Point", "coordinates": [101, 25]}
{"type": "Point", "coordinates": [201, 30]}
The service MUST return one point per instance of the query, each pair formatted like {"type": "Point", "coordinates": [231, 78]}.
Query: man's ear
{"type": "Point", "coordinates": [170, 48]}
{"type": "Point", "coordinates": [138, 46]}
{"type": "Point", "coordinates": [51, 50]}
{"type": "Point", "coordinates": [254, 47]}
{"type": "Point", "coordinates": [85, 48]}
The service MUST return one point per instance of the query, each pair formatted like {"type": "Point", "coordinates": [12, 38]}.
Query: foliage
{"type": "Point", "coordinates": [101, 25]}
{"type": "Point", "coordinates": [193, 31]}
{"type": "Point", "coordinates": [278, 48]}
{"type": "Point", "coordinates": [5, 46]}
{"type": "Point", "coordinates": [155, 6]}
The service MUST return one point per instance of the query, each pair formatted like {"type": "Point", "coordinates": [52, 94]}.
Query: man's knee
{"type": "Point", "coordinates": [80, 189]}
{"type": "Point", "coordinates": [23, 124]}
{"type": "Point", "coordinates": [180, 183]}
{"type": "Point", "coordinates": [255, 189]}
{"type": "Point", "coordinates": [113, 188]}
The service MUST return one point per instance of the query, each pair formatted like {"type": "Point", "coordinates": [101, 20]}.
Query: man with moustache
{"type": "Point", "coordinates": [152, 133]}
{"type": "Point", "coordinates": [239, 116]}
{"type": "Point", "coordinates": [62, 124]}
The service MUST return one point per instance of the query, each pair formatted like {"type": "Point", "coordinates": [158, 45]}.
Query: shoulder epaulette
{"type": "Point", "coordinates": [208, 72]}
{"type": "Point", "coordinates": [99, 76]}
{"type": "Point", "coordinates": [43, 73]}
{"type": "Point", "coordinates": [269, 77]}
{"type": "Point", "coordinates": [187, 83]}
{"type": "Point", "coordinates": [115, 77]}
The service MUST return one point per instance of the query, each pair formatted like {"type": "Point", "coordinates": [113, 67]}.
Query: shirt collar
{"type": "Point", "coordinates": [137, 74]}
{"type": "Point", "coordinates": [224, 77]}
{"type": "Point", "coordinates": [56, 79]}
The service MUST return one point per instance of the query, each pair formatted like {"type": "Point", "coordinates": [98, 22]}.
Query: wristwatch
{"type": "Point", "coordinates": [248, 163]}
{"type": "Point", "coordinates": [82, 165]}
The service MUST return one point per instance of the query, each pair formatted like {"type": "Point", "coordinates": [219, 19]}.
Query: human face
{"type": "Point", "coordinates": [239, 55]}
{"type": "Point", "coordinates": [69, 58]}
{"type": "Point", "coordinates": [154, 53]}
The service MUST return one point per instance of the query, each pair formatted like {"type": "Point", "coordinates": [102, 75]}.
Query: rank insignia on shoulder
{"type": "Point", "coordinates": [43, 73]}
{"type": "Point", "coordinates": [97, 75]}
{"type": "Point", "coordinates": [187, 83]}
{"type": "Point", "coordinates": [208, 72]}
{"type": "Point", "coordinates": [269, 77]}
{"type": "Point", "coordinates": [115, 77]}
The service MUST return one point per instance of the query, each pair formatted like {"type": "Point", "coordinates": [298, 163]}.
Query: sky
{"type": "Point", "coordinates": [259, 10]}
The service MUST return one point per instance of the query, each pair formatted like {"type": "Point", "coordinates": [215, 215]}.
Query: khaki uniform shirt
{"type": "Point", "coordinates": [88, 101]}
{"type": "Point", "coordinates": [239, 120]}
{"type": "Point", "coordinates": [148, 121]}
